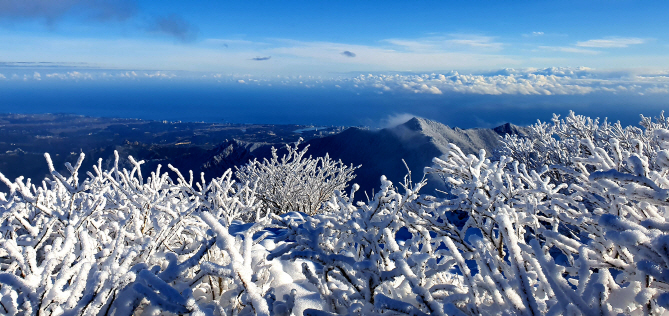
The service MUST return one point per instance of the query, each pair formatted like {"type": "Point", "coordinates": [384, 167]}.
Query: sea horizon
{"type": "Point", "coordinates": [326, 106]}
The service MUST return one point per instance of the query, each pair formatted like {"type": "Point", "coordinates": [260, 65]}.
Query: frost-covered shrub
{"type": "Point", "coordinates": [557, 143]}
{"type": "Point", "coordinates": [581, 232]}
{"type": "Point", "coordinates": [485, 228]}
{"type": "Point", "coordinates": [112, 243]}
{"type": "Point", "coordinates": [360, 268]}
{"type": "Point", "coordinates": [596, 245]}
{"type": "Point", "coordinates": [295, 183]}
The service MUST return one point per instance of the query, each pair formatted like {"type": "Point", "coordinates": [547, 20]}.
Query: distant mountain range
{"type": "Point", "coordinates": [214, 148]}
{"type": "Point", "coordinates": [378, 152]}
{"type": "Point", "coordinates": [24, 138]}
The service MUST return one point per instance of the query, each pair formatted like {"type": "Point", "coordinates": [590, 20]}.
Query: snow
{"type": "Point", "coordinates": [586, 236]}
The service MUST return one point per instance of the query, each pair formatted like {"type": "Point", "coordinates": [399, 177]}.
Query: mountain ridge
{"type": "Point", "coordinates": [381, 152]}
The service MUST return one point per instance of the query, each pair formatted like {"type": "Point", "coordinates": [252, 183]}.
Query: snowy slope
{"type": "Point", "coordinates": [417, 141]}
{"type": "Point", "coordinates": [233, 153]}
{"type": "Point", "coordinates": [379, 152]}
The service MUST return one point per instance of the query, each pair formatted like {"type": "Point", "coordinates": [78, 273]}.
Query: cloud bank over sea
{"type": "Point", "coordinates": [527, 81]}
{"type": "Point", "coordinates": [484, 99]}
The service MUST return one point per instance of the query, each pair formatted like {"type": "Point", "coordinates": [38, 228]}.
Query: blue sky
{"type": "Point", "coordinates": [267, 38]}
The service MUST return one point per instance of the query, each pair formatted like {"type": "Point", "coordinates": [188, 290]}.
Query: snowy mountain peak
{"type": "Point", "coordinates": [511, 129]}
{"type": "Point", "coordinates": [421, 124]}
{"type": "Point", "coordinates": [414, 124]}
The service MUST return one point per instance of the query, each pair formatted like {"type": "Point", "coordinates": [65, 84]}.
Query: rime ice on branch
{"type": "Point", "coordinates": [572, 220]}
{"type": "Point", "coordinates": [115, 242]}
{"type": "Point", "coordinates": [295, 183]}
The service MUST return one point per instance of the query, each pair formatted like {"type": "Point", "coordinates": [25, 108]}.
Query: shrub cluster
{"type": "Point", "coordinates": [570, 220]}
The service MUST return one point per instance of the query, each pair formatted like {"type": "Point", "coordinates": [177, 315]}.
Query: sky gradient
{"type": "Point", "coordinates": [344, 62]}
{"type": "Point", "coordinates": [319, 38]}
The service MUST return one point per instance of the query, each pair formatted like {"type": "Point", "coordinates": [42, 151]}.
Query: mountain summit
{"type": "Point", "coordinates": [440, 135]}
{"type": "Point", "coordinates": [380, 152]}
{"type": "Point", "coordinates": [416, 141]}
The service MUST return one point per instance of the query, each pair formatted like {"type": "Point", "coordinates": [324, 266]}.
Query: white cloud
{"type": "Point", "coordinates": [612, 42]}
{"type": "Point", "coordinates": [428, 89]}
{"type": "Point", "coordinates": [567, 49]}
{"type": "Point", "coordinates": [161, 74]}
{"type": "Point", "coordinates": [412, 45]}
{"type": "Point", "coordinates": [476, 42]}
{"type": "Point", "coordinates": [413, 56]}
{"type": "Point", "coordinates": [396, 119]}
{"type": "Point", "coordinates": [56, 75]}
{"type": "Point", "coordinates": [508, 81]}
{"type": "Point", "coordinates": [658, 90]}
{"type": "Point", "coordinates": [78, 75]}
{"type": "Point", "coordinates": [106, 75]}
{"type": "Point", "coordinates": [290, 57]}
{"type": "Point", "coordinates": [531, 81]}
{"type": "Point", "coordinates": [533, 34]}
{"type": "Point", "coordinates": [447, 43]}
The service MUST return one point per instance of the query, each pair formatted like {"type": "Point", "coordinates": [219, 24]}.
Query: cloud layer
{"type": "Point", "coordinates": [612, 42]}
{"type": "Point", "coordinates": [529, 81]}
{"type": "Point", "coordinates": [547, 81]}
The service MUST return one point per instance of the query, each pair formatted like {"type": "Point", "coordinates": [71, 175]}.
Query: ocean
{"type": "Point", "coordinates": [237, 103]}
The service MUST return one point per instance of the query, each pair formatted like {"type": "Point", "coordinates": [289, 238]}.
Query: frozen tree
{"type": "Point", "coordinates": [295, 183]}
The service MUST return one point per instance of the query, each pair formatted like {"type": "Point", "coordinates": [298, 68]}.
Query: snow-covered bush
{"type": "Point", "coordinates": [295, 183]}
{"type": "Point", "coordinates": [581, 229]}
{"type": "Point", "coordinates": [557, 143]}
{"type": "Point", "coordinates": [107, 244]}
{"type": "Point", "coordinates": [358, 262]}
{"type": "Point", "coordinates": [596, 244]}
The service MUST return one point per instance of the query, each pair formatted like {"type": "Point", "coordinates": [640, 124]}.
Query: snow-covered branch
{"type": "Point", "coordinates": [295, 183]}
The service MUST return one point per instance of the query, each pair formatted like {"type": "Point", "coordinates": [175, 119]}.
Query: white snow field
{"type": "Point", "coordinates": [571, 220]}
